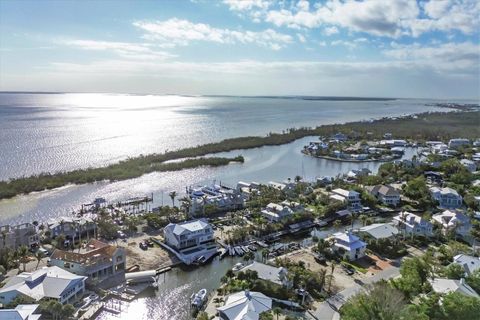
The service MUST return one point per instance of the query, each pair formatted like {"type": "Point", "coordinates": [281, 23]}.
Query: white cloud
{"type": "Point", "coordinates": [123, 49]}
{"type": "Point", "coordinates": [245, 5]}
{"type": "Point", "coordinates": [330, 31]}
{"type": "Point", "coordinates": [392, 18]}
{"type": "Point", "coordinates": [301, 38]}
{"type": "Point", "coordinates": [181, 32]}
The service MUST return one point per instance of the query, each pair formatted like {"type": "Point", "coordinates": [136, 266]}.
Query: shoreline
{"type": "Point", "coordinates": [420, 126]}
{"type": "Point", "coordinates": [348, 160]}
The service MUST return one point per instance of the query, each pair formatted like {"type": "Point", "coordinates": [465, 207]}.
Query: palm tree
{"type": "Point", "coordinates": [249, 256]}
{"type": "Point", "coordinates": [265, 254]}
{"type": "Point", "coordinates": [173, 195]}
{"type": "Point", "coordinates": [363, 218]}
{"type": "Point", "coordinates": [39, 255]}
{"type": "Point", "coordinates": [277, 311]}
{"type": "Point", "coordinates": [337, 225]}
{"type": "Point", "coordinates": [23, 254]}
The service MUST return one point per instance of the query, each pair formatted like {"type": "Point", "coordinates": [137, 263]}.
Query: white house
{"type": "Point", "coordinates": [386, 194]}
{"type": "Point", "coordinates": [379, 231]}
{"type": "Point", "coordinates": [469, 263]}
{"type": "Point", "coordinates": [97, 262]}
{"type": "Point", "coordinates": [277, 212]}
{"type": "Point", "coordinates": [469, 164]}
{"type": "Point", "coordinates": [455, 143]}
{"type": "Point", "coordinates": [445, 286]}
{"type": "Point", "coordinates": [222, 197]}
{"type": "Point", "coordinates": [453, 220]}
{"type": "Point", "coordinates": [410, 223]}
{"type": "Point", "coordinates": [349, 245]}
{"type": "Point", "coordinates": [245, 305]}
{"type": "Point", "coordinates": [350, 197]}
{"type": "Point", "coordinates": [446, 197]}
{"type": "Point", "coordinates": [21, 312]}
{"type": "Point", "coordinates": [190, 240]}
{"type": "Point", "coordinates": [13, 237]}
{"type": "Point", "coordinates": [266, 272]}
{"type": "Point", "coordinates": [46, 283]}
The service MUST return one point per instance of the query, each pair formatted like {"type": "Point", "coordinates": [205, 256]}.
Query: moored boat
{"type": "Point", "coordinates": [199, 298]}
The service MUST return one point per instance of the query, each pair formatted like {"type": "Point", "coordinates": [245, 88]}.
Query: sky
{"type": "Point", "coordinates": [382, 48]}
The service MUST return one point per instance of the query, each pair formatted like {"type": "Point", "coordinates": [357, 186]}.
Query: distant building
{"type": "Point", "coordinates": [98, 262]}
{"type": "Point", "coordinates": [446, 197]}
{"type": "Point", "coordinates": [52, 283]}
{"type": "Point", "coordinates": [455, 143]}
{"type": "Point", "coordinates": [433, 177]}
{"type": "Point", "coordinates": [266, 272]}
{"type": "Point", "coordinates": [245, 305]}
{"type": "Point", "coordinates": [410, 223]}
{"type": "Point", "coordinates": [469, 263]}
{"type": "Point", "coordinates": [21, 312]}
{"type": "Point", "coordinates": [378, 231]}
{"type": "Point", "coordinates": [444, 286]}
{"type": "Point", "coordinates": [222, 197]}
{"type": "Point", "coordinates": [13, 237]}
{"type": "Point", "coordinates": [277, 212]}
{"type": "Point", "coordinates": [385, 194]}
{"type": "Point", "coordinates": [349, 245]}
{"type": "Point", "coordinates": [453, 220]}
{"type": "Point", "coordinates": [339, 137]}
{"type": "Point", "coordinates": [72, 228]}
{"type": "Point", "coordinates": [351, 198]}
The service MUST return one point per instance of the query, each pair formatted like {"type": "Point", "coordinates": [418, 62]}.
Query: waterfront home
{"type": "Point", "coordinates": [190, 240]}
{"type": "Point", "coordinates": [245, 305]}
{"type": "Point", "coordinates": [266, 272]}
{"type": "Point", "coordinates": [393, 143]}
{"type": "Point", "coordinates": [453, 220]}
{"type": "Point", "coordinates": [13, 237]}
{"type": "Point", "coordinates": [355, 174]}
{"type": "Point", "coordinates": [412, 224]}
{"type": "Point", "coordinates": [455, 143]}
{"type": "Point", "coordinates": [387, 135]}
{"type": "Point", "coordinates": [350, 197]}
{"type": "Point", "coordinates": [469, 263]}
{"type": "Point", "coordinates": [98, 261]}
{"type": "Point", "coordinates": [378, 231]}
{"type": "Point", "coordinates": [72, 228]}
{"type": "Point", "coordinates": [445, 286]}
{"type": "Point", "coordinates": [277, 185]}
{"type": "Point", "coordinates": [469, 165]}
{"type": "Point", "coordinates": [247, 189]}
{"type": "Point", "coordinates": [276, 212]}
{"type": "Point", "coordinates": [222, 197]}
{"type": "Point", "coordinates": [21, 312]}
{"type": "Point", "coordinates": [446, 197]}
{"type": "Point", "coordinates": [348, 245]}
{"type": "Point", "coordinates": [48, 283]}
{"type": "Point", "coordinates": [385, 194]}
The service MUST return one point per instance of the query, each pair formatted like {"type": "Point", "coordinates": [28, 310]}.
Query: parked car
{"type": "Point", "coordinates": [143, 246]}
{"type": "Point", "coordinates": [348, 270]}
{"type": "Point", "coordinates": [319, 258]}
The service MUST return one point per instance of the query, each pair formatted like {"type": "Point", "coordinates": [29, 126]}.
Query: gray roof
{"type": "Point", "coordinates": [449, 285]}
{"type": "Point", "coordinates": [21, 312]}
{"type": "Point", "coordinates": [380, 230]}
{"type": "Point", "coordinates": [187, 227]}
{"type": "Point", "coordinates": [266, 272]}
{"type": "Point", "coordinates": [469, 263]}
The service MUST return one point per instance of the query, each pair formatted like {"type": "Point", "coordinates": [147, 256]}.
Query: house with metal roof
{"type": "Point", "coordinates": [378, 231]}
{"type": "Point", "coordinates": [266, 272]}
{"type": "Point", "coordinates": [349, 245]}
{"type": "Point", "coordinates": [446, 197]}
{"type": "Point", "coordinates": [469, 263]}
{"type": "Point", "coordinates": [245, 305]}
{"type": "Point", "coordinates": [453, 220]}
{"type": "Point", "coordinates": [449, 285]}
{"type": "Point", "coordinates": [46, 283]}
{"type": "Point", "coordinates": [21, 312]}
{"type": "Point", "coordinates": [386, 194]}
{"type": "Point", "coordinates": [350, 197]}
{"type": "Point", "coordinates": [409, 223]}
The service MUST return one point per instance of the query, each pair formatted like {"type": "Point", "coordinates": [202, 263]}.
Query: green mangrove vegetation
{"type": "Point", "coordinates": [420, 127]}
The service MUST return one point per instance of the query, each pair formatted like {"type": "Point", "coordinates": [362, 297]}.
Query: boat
{"type": "Point", "coordinates": [231, 251]}
{"type": "Point", "coordinates": [252, 247]}
{"type": "Point", "coordinates": [223, 253]}
{"type": "Point", "coordinates": [238, 266]}
{"type": "Point", "coordinates": [199, 298]}
{"type": "Point", "coordinates": [239, 251]}
{"type": "Point", "coordinates": [245, 248]}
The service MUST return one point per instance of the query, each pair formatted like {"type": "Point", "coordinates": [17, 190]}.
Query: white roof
{"type": "Point", "coordinates": [450, 218]}
{"type": "Point", "coordinates": [245, 305]}
{"type": "Point", "coordinates": [189, 226]}
{"type": "Point", "coordinates": [345, 193]}
{"type": "Point", "coordinates": [21, 312]}
{"type": "Point", "coordinates": [47, 282]}
{"type": "Point", "coordinates": [469, 263]}
{"type": "Point", "coordinates": [348, 240]}
{"type": "Point", "coordinates": [409, 218]}
{"type": "Point", "coordinates": [446, 190]}
{"type": "Point", "coordinates": [449, 285]}
{"type": "Point", "coordinates": [266, 272]}
{"type": "Point", "coordinates": [380, 230]}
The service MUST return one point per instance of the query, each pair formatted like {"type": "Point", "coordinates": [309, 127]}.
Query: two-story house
{"type": "Point", "coordinates": [385, 194]}
{"type": "Point", "coordinates": [350, 197]}
{"type": "Point", "coordinates": [453, 220]}
{"type": "Point", "coordinates": [349, 245]}
{"type": "Point", "coordinates": [97, 261]}
{"type": "Point", "coordinates": [13, 237]}
{"type": "Point", "coordinates": [446, 197]}
{"type": "Point", "coordinates": [72, 228]}
{"type": "Point", "coordinates": [409, 223]}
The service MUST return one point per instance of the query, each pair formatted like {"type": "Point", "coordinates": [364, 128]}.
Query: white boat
{"type": "Point", "coordinates": [239, 251]}
{"type": "Point", "coordinates": [238, 266]}
{"type": "Point", "coordinates": [231, 252]}
{"type": "Point", "coordinates": [199, 298]}
{"type": "Point", "coordinates": [245, 248]}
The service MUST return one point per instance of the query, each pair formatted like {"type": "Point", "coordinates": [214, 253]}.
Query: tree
{"type": "Point", "coordinates": [249, 256]}
{"type": "Point", "coordinates": [39, 255]}
{"type": "Point", "coordinates": [414, 277]}
{"type": "Point", "coordinates": [380, 301]}
{"type": "Point", "coordinates": [67, 311]}
{"type": "Point", "coordinates": [458, 306]}
{"type": "Point", "coordinates": [173, 195]}
{"type": "Point", "coordinates": [473, 280]}
{"type": "Point", "coordinates": [454, 271]}
{"type": "Point", "coordinates": [337, 224]}
{"type": "Point", "coordinates": [266, 316]}
{"type": "Point", "coordinates": [202, 316]}
{"type": "Point", "coordinates": [277, 311]}
{"type": "Point", "coordinates": [23, 254]}
{"type": "Point", "coordinates": [363, 218]}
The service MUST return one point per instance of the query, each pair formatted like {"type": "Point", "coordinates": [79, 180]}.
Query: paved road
{"type": "Point", "coordinates": [327, 309]}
